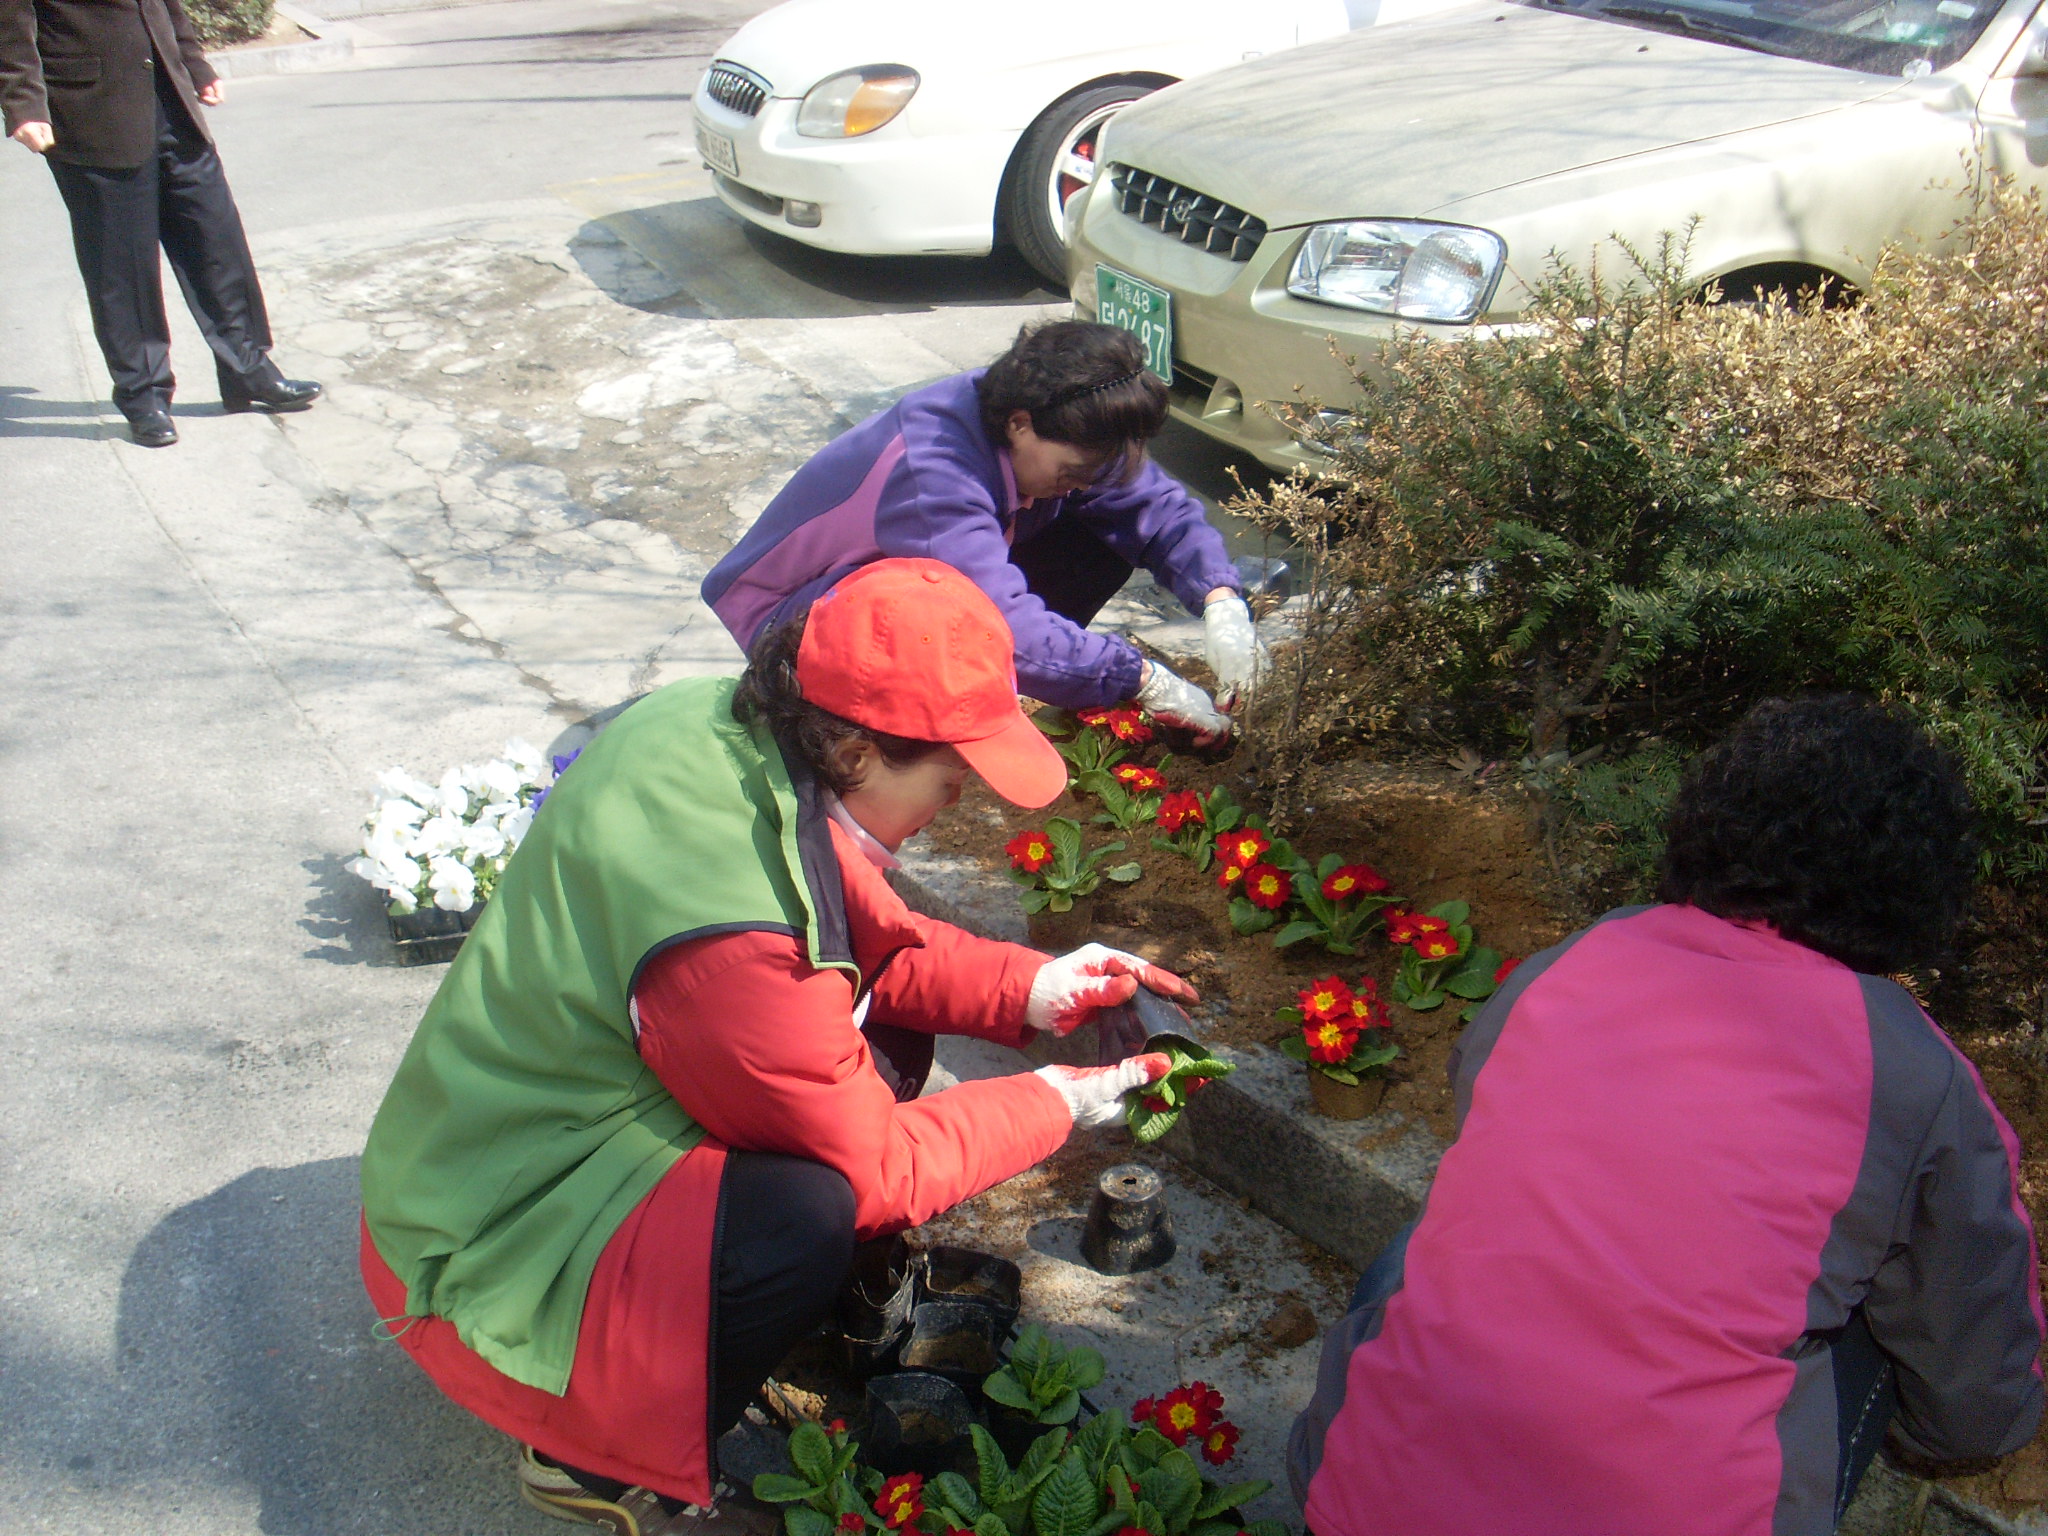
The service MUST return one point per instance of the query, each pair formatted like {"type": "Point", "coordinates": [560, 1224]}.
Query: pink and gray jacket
{"type": "Point", "coordinates": [922, 479]}
{"type": "Point", "coordinates": [1687, 1149]}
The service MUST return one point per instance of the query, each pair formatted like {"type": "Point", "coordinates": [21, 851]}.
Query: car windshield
{"type": "Point", "coordinates": [1889, 37]}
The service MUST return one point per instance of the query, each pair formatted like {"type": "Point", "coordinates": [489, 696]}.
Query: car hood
{"type": "Point", "coordinates": [1406, 120]}
{"type": "Point", "coordinates": [799, 43]}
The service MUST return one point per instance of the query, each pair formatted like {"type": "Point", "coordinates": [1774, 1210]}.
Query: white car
{"type": "Point", "coordinates": [939, 127]}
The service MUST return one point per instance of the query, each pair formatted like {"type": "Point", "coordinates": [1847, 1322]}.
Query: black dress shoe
{"type": "Point", "coordinates": [272, 393]}
{"type": "Point", "coordinates": [151, 426]}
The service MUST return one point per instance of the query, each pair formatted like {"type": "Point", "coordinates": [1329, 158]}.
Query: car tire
{"type": "Point", "coordinates": [1040, 178]}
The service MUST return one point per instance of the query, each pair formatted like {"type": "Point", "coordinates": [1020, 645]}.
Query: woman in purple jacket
{"type": "Point", "coordinates": [1030, 477]}
{"type": "Point", "coordinates": [1724, 1202]}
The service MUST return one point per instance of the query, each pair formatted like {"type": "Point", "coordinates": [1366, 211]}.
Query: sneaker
{"type": "Point", "coordinates": [638, 1511]}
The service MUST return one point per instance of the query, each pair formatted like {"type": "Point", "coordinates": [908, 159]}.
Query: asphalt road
{"type": "Point", "coordinates": [209, 652]}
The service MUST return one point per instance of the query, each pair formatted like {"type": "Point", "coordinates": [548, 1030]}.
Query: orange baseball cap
{"type": "Point", "coordinates": [914, 648]}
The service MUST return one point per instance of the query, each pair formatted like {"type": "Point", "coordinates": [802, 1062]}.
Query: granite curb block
{"type": "Point", "coordinates": [1345, 1185]}
{"type": "Point", "coordinates": [329, 45]}
{"type": "Point", "coordinates": [1348, 1185]}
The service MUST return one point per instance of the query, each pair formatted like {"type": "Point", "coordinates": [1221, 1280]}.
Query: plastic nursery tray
{"type": "Point", "coordinates": [431, 935]}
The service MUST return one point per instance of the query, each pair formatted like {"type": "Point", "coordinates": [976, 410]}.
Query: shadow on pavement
{"type": "Point", "coordinates": [725, 268]}
{"type": "Point", "coordinates": [23, 413]}
{"type": "Point", "coordinates": [244, 1340]}
{"type": "Point", "coordinates": [344, 913]}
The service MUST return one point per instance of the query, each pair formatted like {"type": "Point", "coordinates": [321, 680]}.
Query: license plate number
{"type": "Point", "coordinates": [1134, 305]}
{"type": "Point", "coordinates": [718, 152]}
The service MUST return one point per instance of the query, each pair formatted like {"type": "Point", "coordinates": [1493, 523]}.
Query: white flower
{"type": "Point", "coordinates": [526, 761]}
{"type": "Point", "coordinates": [394, 874]}
{"type": "Point", "coordinates": [438, 835]}
{"type": "Point", "coordinates": [453, 884]}
{"type": "Point", "coordinates": [500, 780]}
{"type": "Point", "coordinates": [398, 783]}
{"type": "Point", "coordinates": [394, 816]}
{"type": "Point", "coordinates": [453, 795]}
{"type": "Point", "coordinates": [483, 841]}
{"type": "Point", "coordinates": [515, 825]}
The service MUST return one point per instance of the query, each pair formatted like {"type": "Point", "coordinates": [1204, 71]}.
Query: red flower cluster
{"type": "Point", "coordinates": [901, 1500]}
{"type": "Point", "coordinates": [1194, 1409]}
{"type": "Point", "coordinates": [1178, 809]}
{"type": "Point", "coordinates": [851, 1523]}
{"type": "Point", "coordinates": [1367, 1011]}
{"type": "Point", "coordinates": [1139, 779]}
{"type": "Point", "coordinates": [1430, 937]}
{"type": "Point", "coordinates": [1029, 851]}
{"type": "Point", "coordinates": [1268, 886]}
{"type": "Point", "coordinates": [1353, 880]}
{"type": "Point", "coordinates": [1242, 848]}
{"type": "Point", "coordinates": [1329, 1040]}
{"type": "Point", "coordinates": [1126, 725]}
{"type": "Point", "coordinates": [1220, 1444]}
{"type": "Point", "coordinates": [1325, 1001]}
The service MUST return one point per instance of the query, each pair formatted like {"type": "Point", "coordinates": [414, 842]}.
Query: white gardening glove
{"type": "Point", "coordinates": [1067, 990]}
{"type": "Point", "coordinates": [1179, 702]}
{"type": "Point", "coordinates": [1236, 653]}
{"type": "Point", "coordinates": [1095, 1095]}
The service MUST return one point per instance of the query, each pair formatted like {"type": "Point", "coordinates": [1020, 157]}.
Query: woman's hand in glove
{"type": "Point", "coordinates": [1236, 653]}
{"type": "Point", "coordinates": [1179, 702]}
{"type": "Point", "coordinates": [1095, 1095]}
{"type": "Point", "coordinates": [1067, 990]}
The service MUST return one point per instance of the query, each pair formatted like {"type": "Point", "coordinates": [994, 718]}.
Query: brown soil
{"type": "Point", "coordinates": [1438, 836]}
{"type": "Point", "coordinates": [1434, 835]}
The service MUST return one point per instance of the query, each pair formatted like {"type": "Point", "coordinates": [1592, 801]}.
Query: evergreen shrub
{"type": "Point", "coordinates": [223, 23]}
{"type": "Point", "coordinates": [1636, 514]}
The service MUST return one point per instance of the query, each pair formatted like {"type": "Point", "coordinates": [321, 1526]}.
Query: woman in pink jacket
{"type": "Point", "coordinates": [674, 1074]}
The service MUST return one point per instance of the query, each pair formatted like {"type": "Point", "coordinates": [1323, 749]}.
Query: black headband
{"type": "Point", "coordinates": [1067, 396]}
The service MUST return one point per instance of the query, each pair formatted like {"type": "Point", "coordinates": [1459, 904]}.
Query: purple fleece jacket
{"type": "Point", "coordinates": [922, 479]}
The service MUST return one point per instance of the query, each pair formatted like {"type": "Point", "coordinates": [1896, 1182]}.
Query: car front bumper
{"type": "Point", "coordinates": [888, 193]}
{"type": "Point", "coordinates": [1244, 348]}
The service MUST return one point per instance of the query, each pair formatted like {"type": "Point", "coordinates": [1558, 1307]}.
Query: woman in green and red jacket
{"type": "Point", "coordinates": [673, 1075]}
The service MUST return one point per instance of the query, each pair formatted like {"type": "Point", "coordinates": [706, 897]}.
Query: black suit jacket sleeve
{"type": "Point", "coordinates": [22, 98]}
{"type": "Point", "coordinates": [88, 68]}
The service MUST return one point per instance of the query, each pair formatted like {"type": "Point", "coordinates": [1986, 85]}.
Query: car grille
{"type": "Point", "coordinates": [1187, 215]}
{"type": "Point", "coordinates": [736, 89]}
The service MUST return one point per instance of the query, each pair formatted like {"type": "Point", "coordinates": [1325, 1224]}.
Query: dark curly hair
{"type": "Point", "coordinates": [1835, 819]}
{"type": "Point", "coordinates": [1082, 383]}
{"type": "Point", "coordinates": [769, 695]}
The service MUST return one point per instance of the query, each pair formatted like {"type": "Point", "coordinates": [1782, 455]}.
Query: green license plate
{"type": "Point", "coordinates": [1134, 305]}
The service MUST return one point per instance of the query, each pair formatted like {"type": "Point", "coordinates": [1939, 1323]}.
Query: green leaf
{"type": "Point", "coordinates": [1296, 931]}
{"type": "Point", "coordinates": [1067, 1502]}
{"type": "Point", "coordinates": [1040, 1459]}
{"type": "Point", "coordinates": [1248, 919]}
{"type": "Point", "coordinates": [992, 1467]}
{"type": "Point", "coordinates": [988, 1524]}
{"type": "Point", "coordinates": [959, 1495]}
{"type": "Point", "coordinates": [1267, 1528]}
{"type": "Point", "coordinates": [1295, 1047]}
{"type": "Point", "coordinates": [1087, 1366]}
{"type": "Point", "coordinates": [1470, 983]}
{"type": "Point", "coordinates": [811, 1450]}
{"type": "Point", "coordinates": [1062, 1409]}
{"type": "Point", "coordinates": [1337, 1074]}
{"type": "Point", "coordinates": [1217, 1500]}
{"type": "Point", "coordinates": [1175, 1487]}
{"type": "Point", "coordinates": [1059, 901]}
{"type": "Point", "coordinates": [800, 1520]}
{"type": "Point", "coordinates": [1328, 865]}
{"type": "Point", "coordinates": [1422, 1002]}
{"type": "Point", "coordinates": [1004, 1387]}
{"type": "Point", "coordinates": [1098, 1437]}
{"type": "Point", "coordinates": [1123, 873]}
{"type": "Point", "coordinates": [1035, 899]}
{"type": "Point", "coordinates": [781, 1488]}
{"type": "Point", "coordinates": [1112, 1521]}
{"type": "Point", "coordinates": [1452, 912]}
{"type": "Point", "coordinates": [1065, 837]}
{"type": "Point", "coordinates": [1146, 1447]}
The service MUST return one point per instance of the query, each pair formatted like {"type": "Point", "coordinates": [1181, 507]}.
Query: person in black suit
{"type": "Point", "coordinates": [109, 92]}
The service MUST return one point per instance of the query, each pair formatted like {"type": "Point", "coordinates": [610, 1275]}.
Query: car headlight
{"type": "Point", "coordinates": [856, 101]}
{"type": "Point", "coordinates": [1405, 267]}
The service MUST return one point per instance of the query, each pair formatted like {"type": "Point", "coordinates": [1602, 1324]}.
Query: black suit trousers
{"type": "Point", "coordinates": [178, 200]}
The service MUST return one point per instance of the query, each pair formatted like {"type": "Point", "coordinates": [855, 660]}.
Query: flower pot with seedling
{"type": "Point", "coordinates": [1339, 902]}
{"type": "Point", "coordinates": [1038, 1388]}
{"type": "Point", "coordinates": [1342, 1035]}
{"type": "Point", "coordinates": [1054, 871]}
{"type": "Point", "coordinates": [1154, 1109]}
{"type": "Point", "coordinates": [1441, 960]}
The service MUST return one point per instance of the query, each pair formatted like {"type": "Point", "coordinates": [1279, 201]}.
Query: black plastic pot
{"type": "Point", "coordinates": [958, 1339]}
{"type": "Point", "coordinates": [874, 1307]}
{"type": "Point", "coordinates": [917, 1422]}
{"type": "Point", "coordinates": [431, 935]}
{"type": "Point", "coordinates": [1128, 1227]}
{"type": "Point", "coordinates": [962, 1274]}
